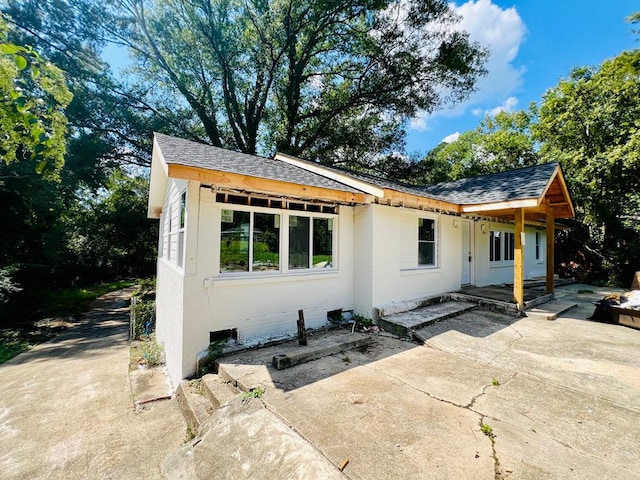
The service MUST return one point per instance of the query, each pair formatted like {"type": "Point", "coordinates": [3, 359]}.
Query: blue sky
{"type": "Point", "coordinates": [534, 44]}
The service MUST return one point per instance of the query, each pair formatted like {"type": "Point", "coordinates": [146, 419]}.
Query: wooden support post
{"type": "Point", "coordinates": [518, 260]}
{"type": "Point", "coordinates": [302, 332]}
{"type": "Point", "coordinates": [550, 248]}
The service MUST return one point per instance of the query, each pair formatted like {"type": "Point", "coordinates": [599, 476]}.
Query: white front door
{"type": "Point", "coordinates": [467, 252]}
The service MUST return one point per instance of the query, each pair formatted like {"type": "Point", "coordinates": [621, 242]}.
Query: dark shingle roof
{"type": "Point", "coordinates": [179, 151]}
{"type": "Point", "coordinates": [523, 183]}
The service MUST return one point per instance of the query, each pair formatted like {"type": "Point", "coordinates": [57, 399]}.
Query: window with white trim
{"type": "Point", "coordinates": [501, 246]}
{"type": "Point", "coordinates": [426, 242]}
{"type": "Point", "coordinates": [538, 246]}
{"type": "Point", "coordinates": [260, 239]}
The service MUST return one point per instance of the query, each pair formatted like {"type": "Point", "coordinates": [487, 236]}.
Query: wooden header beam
{"type": "Point", "coordinates": [264, 185]}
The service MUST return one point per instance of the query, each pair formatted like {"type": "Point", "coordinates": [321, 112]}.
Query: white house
{"type": "Point", "coordinates": [246, 242]}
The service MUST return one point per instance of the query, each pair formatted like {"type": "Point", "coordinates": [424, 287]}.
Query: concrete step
{"type": "Point", "coordinates": [195, 406]}
{"type": "Point", "coordinates": [485, 303]}
{"type": "Point", "coordinates": [218, 391]}
{"type": "Point", "coordinates": [550, 310]}
{"type": "Point", "coordinates": [403, 324]}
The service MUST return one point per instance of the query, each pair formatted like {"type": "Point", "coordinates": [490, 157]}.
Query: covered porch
{"type": "Point", "coordinates": [533, 196]}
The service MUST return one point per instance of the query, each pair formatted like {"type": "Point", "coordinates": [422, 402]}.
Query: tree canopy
{"type": "Point", "coordinates": [324, 79]}
{"type": "Point", "coordinates": [33, 95]}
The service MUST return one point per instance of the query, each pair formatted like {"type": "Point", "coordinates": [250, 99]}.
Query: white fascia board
{"type": "Point", "coordinates": [333, 175]}
{"type": "Point", "coordinates": [157, 183]}
{"type": "Point", "coordinates": [485, 207]}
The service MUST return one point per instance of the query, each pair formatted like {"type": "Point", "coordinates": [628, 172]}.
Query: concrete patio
{"type": "Point", "coordinates": [488, 397]}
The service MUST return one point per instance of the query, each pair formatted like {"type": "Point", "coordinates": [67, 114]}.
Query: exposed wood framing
{"type": "Point", "coordinates": [420, 202]}
{"type": "Point", "coordinates": [263, 185]}
{"type": "Point", "coordinates": [518, 260]}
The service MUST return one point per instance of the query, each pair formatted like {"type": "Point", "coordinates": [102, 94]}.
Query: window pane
{"type": "Point", "coordinates": [509, 245]}
{"type": "Point", "coordinates": [299, 242]}
{"type": "Point", "coordinates": [426, 253]}
{"type": "Point", "coordinates": [322, 243]}
{"type": "Point", "coordinates": [266, 242]}
{"type": "Point", "coordinates": [426, 230]}
{"type": "Point", "coordinates": [183, 208]}
{"type": "Point", "coordinates": [495, 247]}
{"type": "Point", "coordinates": [234, 241]}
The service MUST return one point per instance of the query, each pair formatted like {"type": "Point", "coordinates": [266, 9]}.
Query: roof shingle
{"type": "Point", "coordinates": [179, 151]}
{"type": "Point", "coordinates": [519, 184]}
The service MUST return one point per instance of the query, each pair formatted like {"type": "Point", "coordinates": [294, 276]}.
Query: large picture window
{"type": "Point", "coordinates": [249, 241]}
{"type": "Point", "coordinates": [310, 242]}
{"type": "Point", "coordinates": [501, 246]}
{"type": "Point", "coordinates": [426, 242]}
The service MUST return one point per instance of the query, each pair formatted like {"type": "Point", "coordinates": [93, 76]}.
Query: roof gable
{"type": "Point", "coordinates": [178, 151]}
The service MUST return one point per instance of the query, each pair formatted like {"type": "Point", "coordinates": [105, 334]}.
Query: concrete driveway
{"type": "Point", "coordinates": [67, 412]}
{"type": "Point", "coordinates": [488, 397]}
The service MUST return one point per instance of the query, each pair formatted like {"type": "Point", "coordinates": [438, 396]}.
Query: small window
{"type": "Point", "coordinates": [310, 242]}
{"type": "Point", "coordinates": [538, 246]}
{"type": "Point", "coordinates": [426, 242]}
{"type": "Point", "coordinates": [501, 246]}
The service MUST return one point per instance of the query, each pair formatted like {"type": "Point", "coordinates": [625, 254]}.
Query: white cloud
{"type": "Point", "coordinates": [502, 32]}
{"type": "Point", "coordinates": [508, 105]}
{"type": "Point", "coordinates": [451, 138]}
{"type": "Point", "coordinates": [419, 123]}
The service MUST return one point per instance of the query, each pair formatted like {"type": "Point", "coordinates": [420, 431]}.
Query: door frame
{"type": "Point", "coordinates": [470, 253]}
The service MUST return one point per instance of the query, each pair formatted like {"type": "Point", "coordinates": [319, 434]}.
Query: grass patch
{"type": "Point", "coordinates": [495, 382]}
{"type": "Point", "coordinates": [255, 393]}
{"type": "Point", "coordinates": [8, 350]}
{"type": "Point", "coordinates": [71, 302]}
{"type": "Point", "coordinates": [147, 352]}
{"type": "Point", "coordinates": [487, 430]}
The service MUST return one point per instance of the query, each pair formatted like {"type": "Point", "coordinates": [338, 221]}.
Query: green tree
{"type": "Point", "coordinates": [317, 77]}
{"type": "Point", "coordinates": [33, 95]}
{"type": "Point", "coordinates": [500, 142]}
{"type": "Point", "coordinates": [109, 234]}
{"type": "Point", "coordinates": [590, 122]}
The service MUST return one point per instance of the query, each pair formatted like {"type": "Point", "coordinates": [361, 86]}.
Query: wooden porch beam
{"type": "Point", "coordinates": [518, 259]}
{"type": "Point", "coordinates": [550, 249]}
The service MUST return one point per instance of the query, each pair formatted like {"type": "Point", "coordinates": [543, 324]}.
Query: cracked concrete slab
{"type": "Point", "coordinates": [561, 398]}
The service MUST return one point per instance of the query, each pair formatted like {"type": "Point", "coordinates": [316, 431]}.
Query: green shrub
{"type": "Point", "coordinates": [143, 314]}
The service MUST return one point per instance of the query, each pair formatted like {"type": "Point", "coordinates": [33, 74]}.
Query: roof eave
{"type": "Point", "coordinates": [331, 174]}
{"type": "Point", "coordinates": [266, 186]}
{"type": "Point", "coordinates": [504, 205]}
{"type": "Point", "coordinates": [157, 182]}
